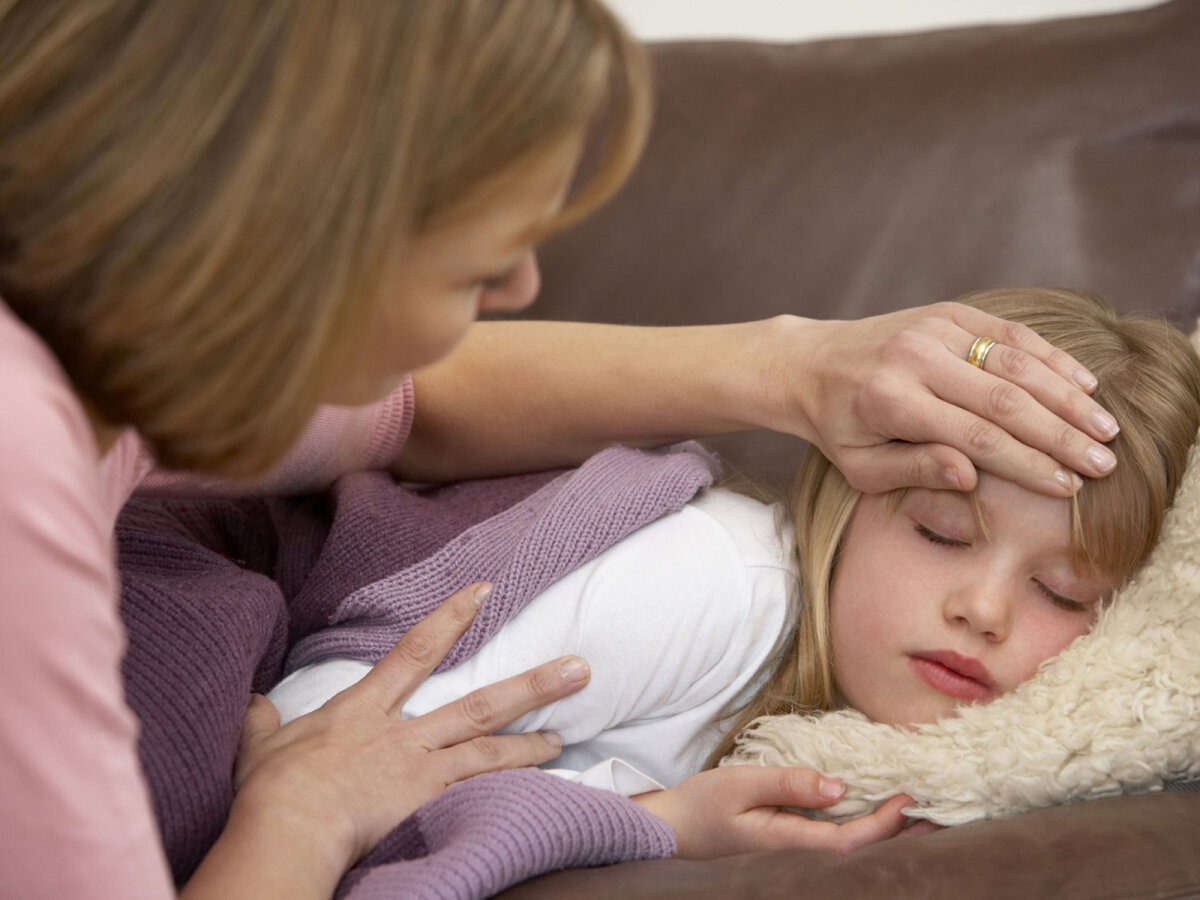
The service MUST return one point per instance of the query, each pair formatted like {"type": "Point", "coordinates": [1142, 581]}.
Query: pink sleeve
{"type": "Point", "coordinates": [339, 440]}
{"type": "Point", "coordinates": [77, 818]}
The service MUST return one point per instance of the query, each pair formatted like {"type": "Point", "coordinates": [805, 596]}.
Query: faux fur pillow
{"type": "Point", "coordinates": [1117, 712]}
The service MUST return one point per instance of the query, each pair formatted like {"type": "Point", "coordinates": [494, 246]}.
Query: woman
{"type": "Point", "coordinates": [216, 216]}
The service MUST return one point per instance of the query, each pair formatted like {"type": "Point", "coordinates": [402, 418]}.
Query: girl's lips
{"type": "Point", "coordinates": [960, 677]}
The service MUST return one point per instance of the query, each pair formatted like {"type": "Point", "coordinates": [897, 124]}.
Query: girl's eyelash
{"type": "Point", "coordinates": [1059, 600]}
{"type": "Point", "coordinates": [934, 538]}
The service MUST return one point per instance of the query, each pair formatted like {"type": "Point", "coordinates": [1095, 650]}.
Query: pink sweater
{"type": "Point", "coordinates": [76, 817]}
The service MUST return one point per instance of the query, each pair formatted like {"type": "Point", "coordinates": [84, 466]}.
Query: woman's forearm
{"type": "Point", "coordinates": [517, 396]}
{"type": "Point", "coordinates": [259, 855]}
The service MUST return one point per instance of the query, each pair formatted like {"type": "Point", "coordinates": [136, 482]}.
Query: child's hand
{"type": "Point", "coordinates": [736, 808]}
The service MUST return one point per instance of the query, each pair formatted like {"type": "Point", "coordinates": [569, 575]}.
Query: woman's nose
{"type": "Point", "coordinates": [517, 289]}
{"type": "Point", "coordinates": [982, 607]}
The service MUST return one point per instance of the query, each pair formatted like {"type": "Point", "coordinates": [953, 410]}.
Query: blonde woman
{"type": "Point", "coordinates": [217, 217]}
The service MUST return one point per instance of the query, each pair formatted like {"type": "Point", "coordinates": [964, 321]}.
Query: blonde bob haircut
{"type": "Point", "coordinates": [1149, 379]}
{"type": "Point", "coordinates": [199, 199]}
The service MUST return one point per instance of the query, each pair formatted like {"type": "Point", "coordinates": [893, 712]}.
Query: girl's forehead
{"type": "Point", "coordinates": [1045, 529]}
{"type": "Point", "coordinates": [997, 509]}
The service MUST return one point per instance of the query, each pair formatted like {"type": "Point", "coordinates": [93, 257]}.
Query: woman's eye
{"type": "Point", "coordinates": [496, 282]}
{"type": "Point", "coordinates": [1059, 600]}
{"type": "Point", "coordinates": [934, 538]}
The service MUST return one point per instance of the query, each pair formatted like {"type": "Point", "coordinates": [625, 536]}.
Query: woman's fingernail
{"type": "Point", "coordinates": [950, 476]}
{"type": "Point", "coordinates": [831, 788]}
{"type": "Point", "coordinates": [1102, 459]}
{"type": "Point", "coordinates": [1085, 379]}
{"type": "Point", "coordinates": [574, 669]}
{"type": "Point", "coordinates": [554, 740]}
{"type": "Point", "coordinates": [1106, 425]}
{"type": "Point", "coordinates": [482, 593]}
{"type": "Point", "coordinates": [1068, 480]}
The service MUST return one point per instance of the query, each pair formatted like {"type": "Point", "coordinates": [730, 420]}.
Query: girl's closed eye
{"type": "Point", "coordinates": [935, 537]}
{"type": "Point", "coordinates": [1060, 600]}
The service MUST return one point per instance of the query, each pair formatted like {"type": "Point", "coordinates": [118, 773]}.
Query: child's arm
{"type": "Point", "coordinates": [736, 809]}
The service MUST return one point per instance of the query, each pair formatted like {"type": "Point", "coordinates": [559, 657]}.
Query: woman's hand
{"type": "Point", "coordinates": [735, 809]}
{"type": "Point", "coordinates": [892, 401]}
{"type": "Point", "coordinates": [353, 769]}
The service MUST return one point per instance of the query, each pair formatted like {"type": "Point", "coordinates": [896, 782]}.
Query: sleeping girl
{"type": "Point", "coordinates": [901, 605]}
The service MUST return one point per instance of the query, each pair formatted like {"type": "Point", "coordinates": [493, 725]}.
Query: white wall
{"type": "Point", "coordinates": [789, 20]}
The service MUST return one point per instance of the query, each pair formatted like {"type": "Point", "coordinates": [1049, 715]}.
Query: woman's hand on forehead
{"type": "Point", "coordinates": [893, 401]}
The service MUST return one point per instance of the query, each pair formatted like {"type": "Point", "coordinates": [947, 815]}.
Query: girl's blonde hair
{"type": "Point", "coordinates": [1149, 379]}
{"type": "Point", "coordinates": [199, 199]}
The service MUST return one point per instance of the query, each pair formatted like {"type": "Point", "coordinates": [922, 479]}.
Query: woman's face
{"type": "Point", "coordinates": [483, 260]}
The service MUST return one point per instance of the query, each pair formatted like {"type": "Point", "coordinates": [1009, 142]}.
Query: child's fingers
{"type": "Point", "coordinates": [920, 827]}
{"type": "Point", "coordinates": [885, 822]}
{"type": "Point", "coordinates": [793, 830]}
{"type": "Point", "coordinates": [394, 678]}
{"type": "Point", "coordinates": [783, 786]}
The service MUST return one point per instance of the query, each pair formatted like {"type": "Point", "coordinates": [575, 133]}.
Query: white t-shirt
{"type": "Point", "coordinates": [680, 623]}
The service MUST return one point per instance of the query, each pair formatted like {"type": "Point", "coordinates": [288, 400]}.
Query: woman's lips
{"type": "Point", "coordinates": [957, 676]}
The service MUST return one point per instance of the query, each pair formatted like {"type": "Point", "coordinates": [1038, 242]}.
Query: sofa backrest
{"type": "Point", "coordinates": [848, 177]}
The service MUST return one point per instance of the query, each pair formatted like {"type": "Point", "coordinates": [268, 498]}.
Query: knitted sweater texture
{"type": "Point", "coordinates": [218, 594]}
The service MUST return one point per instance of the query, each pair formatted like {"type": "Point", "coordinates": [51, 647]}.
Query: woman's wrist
{"type": "Point", "coordinates": [770, 381]}
{"type": "Point", "coordinates": [272, 851]}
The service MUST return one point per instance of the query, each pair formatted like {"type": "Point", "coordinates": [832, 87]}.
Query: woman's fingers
{"type": "Point", "coordinates": [262, 721]}
{"type": "Point", "coordinates": [490, 708]}
{"type": "Point", "coordinates": [941, 443]}
{"type": "Point", "coordinates": [1015, 418]}
{"type": "Point", "coordinates": [1021, 337]}
{"type": "Point", "coordinates": [895, 402]}
{"type": "Point", "coordinates": [1036, 392]}
{"type": "Point", "coordinates": [1011, 379]}
{"type": "Point", "coordinates": [1033, 423]}
{"type": "Point", "coordinates": [394, 678]}
{"type": "Point", "coordinates": [492, 752]}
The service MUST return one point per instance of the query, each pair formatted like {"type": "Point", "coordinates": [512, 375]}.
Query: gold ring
{"type": "Point", "coordinates": [979, 351]}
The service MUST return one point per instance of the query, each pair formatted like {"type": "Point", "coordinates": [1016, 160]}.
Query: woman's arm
{"type": "Point", "coordinates": [890, 399]}
{"type": "Point", "coordinates": [74, 809]}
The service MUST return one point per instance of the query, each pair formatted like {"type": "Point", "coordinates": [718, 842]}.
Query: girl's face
{"type": "Point", "coordinates": [927, 612]}
{"type": "Point", "coordinates": [480, 261]}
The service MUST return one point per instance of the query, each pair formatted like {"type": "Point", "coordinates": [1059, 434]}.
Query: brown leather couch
{"type": "Point", "coordinates": [848, 177]}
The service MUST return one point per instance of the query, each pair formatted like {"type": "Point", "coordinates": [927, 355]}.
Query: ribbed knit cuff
{"type": "Point", "coordinates": [495, 830]}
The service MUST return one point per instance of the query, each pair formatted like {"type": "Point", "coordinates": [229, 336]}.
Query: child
{"type": "Point", "coordinates": [901, 605]}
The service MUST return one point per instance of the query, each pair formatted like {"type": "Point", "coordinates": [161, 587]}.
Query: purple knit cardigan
{"type": "Point", "coordinates": [217, 595]}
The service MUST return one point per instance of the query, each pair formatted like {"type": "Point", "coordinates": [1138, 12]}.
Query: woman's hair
{"type": "Point", "coordinates": [200, 199]}
{"type": "Point", "coordinates": [1149, 379]}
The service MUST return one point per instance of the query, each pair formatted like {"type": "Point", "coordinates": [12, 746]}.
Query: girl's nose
{"type": "Point", "coordinates": [516, 290]}
{"type": "Point", "coordinates": [984, 608]}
